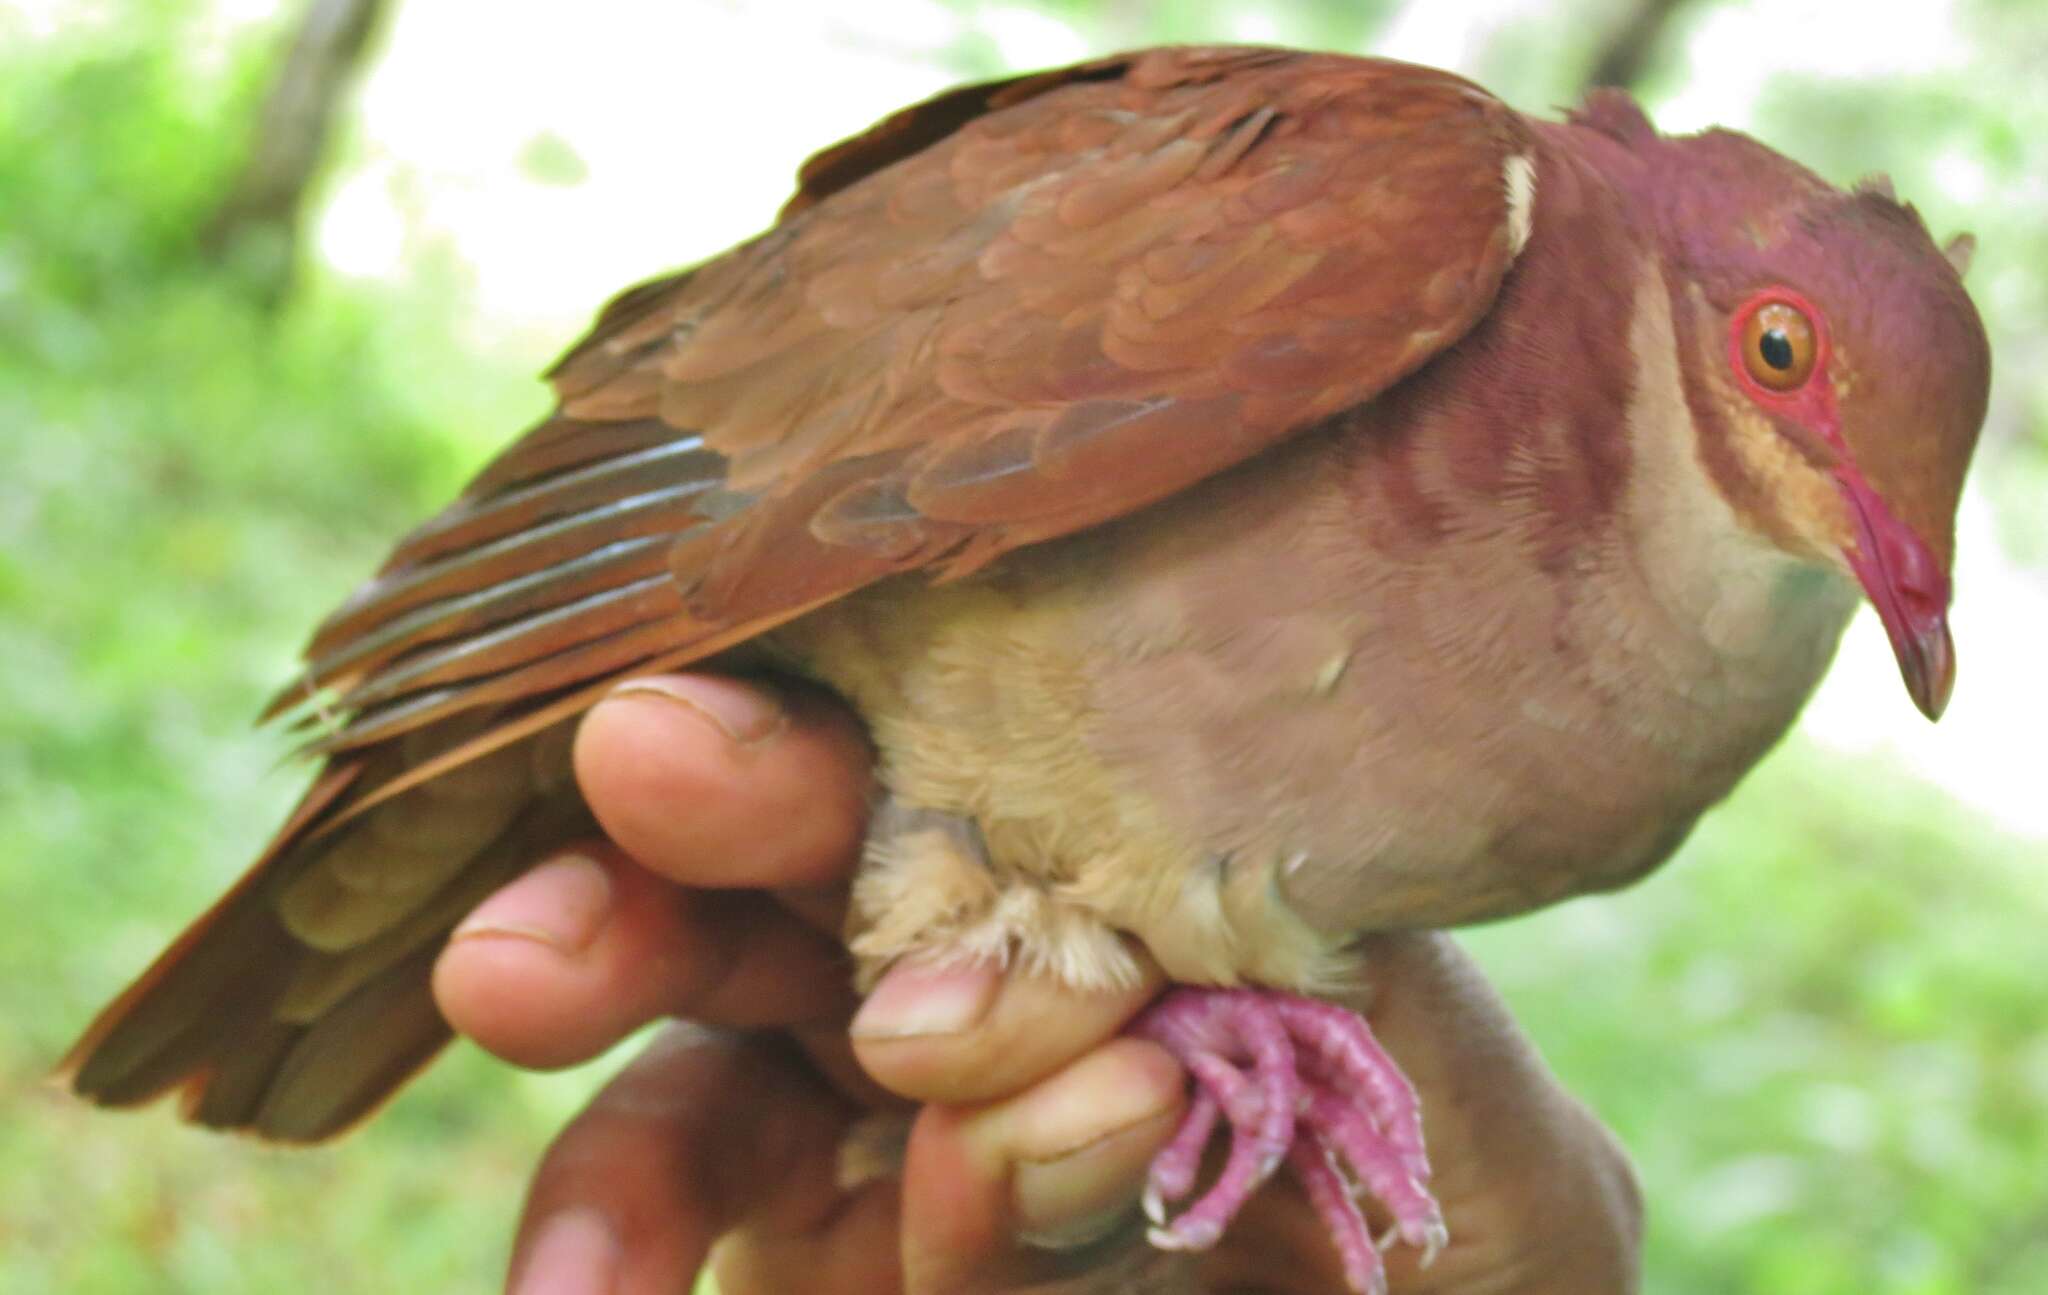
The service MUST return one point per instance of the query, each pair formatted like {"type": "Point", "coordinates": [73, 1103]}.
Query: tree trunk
{"type": "Point", "coordinates": [256, 227]}
{"type": "Point", "coordinates": [1624, 56]}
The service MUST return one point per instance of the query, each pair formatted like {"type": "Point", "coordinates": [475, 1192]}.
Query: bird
{"type": "Point", "coordinates": [1254, 498]}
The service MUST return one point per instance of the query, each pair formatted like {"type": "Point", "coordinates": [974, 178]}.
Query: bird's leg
{"type": "Point", "coordinates": [928, 888]}
{"type": "Point", "coordinates": [1300, 1080]}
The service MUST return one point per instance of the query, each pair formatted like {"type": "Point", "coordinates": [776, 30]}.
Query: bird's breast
{"type": "Point", "coordinates": [1461, 729]}
{"type": "Point", "coordinates": [1549, 668]}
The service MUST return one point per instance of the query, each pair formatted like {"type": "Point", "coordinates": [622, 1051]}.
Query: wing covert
{"type": "Point", "coordinates": [1007, 314]}
{"type": "Point", "coordinates": [1112, 284]}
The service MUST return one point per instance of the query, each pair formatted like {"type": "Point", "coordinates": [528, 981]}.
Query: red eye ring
{"type": "Point", "coordinates": [1776, 344]}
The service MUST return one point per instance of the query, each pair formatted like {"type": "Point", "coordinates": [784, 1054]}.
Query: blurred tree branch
{"type": "Point", "coordinates": [1623, 57]}
{"type": "Point", "coordinates": [256, 226]}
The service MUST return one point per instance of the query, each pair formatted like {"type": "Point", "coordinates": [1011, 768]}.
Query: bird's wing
{"type": "Point", "coordinates": [1001, 316]}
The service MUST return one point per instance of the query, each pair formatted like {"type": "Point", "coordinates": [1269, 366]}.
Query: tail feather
{"type": "Point", "coordinates": [353, 1059]}
{"type": "Point", "coordinates": [293, 1028]}
{"type": "Point", "coordinates": [240, 1077]}
{"type": "Point", "coordinates": [112, 1060]}
{"type": "Point", "coordinates": [322, 980]}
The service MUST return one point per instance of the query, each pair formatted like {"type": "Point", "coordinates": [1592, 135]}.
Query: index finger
{"type": "Point", "coordinates": [721, 782]}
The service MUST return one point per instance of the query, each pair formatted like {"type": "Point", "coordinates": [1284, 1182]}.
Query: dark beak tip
{"type": "Point", "coordinates": [1931, 705]}
{"type": "Point", "coordinates": [1930, 669]}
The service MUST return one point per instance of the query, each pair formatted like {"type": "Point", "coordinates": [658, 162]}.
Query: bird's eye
{"type": "Point", "coordinates": [1778, 346]}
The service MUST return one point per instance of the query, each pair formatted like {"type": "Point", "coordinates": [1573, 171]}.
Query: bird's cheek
{"type": "Point", "coordinates": [1814, 519]}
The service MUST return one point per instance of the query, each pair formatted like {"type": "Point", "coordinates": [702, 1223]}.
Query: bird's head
{"type": "Point", "coordinates": [1837, 368]}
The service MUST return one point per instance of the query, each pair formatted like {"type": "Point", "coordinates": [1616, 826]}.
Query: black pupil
{"type": "Point", "coordinates": [1776, 348]}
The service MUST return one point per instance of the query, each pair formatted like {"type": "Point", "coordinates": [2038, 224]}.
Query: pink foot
{"type": "Point", "coordinates": [1297, 1080]}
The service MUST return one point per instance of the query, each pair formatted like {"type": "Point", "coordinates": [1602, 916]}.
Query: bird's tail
{"type": "Point", "coordinates": [301, 1001]}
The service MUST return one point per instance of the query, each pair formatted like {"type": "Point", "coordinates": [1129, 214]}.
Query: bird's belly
{"type": "Point", "coordinates": [978, 697]}
{"type": "Point", "coordinates": [1245, 807]}
{"type": "Point", "coordinates": [1481, 753]}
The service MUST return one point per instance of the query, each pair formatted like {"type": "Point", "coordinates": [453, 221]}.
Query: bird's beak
{"type": "Point", "coordinates": [1906, 583]}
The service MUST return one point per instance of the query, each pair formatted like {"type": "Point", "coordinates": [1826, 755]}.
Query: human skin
{"type": "Point", "coordinates": [1032, 1121]}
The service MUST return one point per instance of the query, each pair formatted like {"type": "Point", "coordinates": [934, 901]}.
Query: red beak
{"type": "Point", "coordinates": [1906, 584]}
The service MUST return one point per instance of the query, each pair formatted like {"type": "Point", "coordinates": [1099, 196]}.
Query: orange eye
{"type": "Point", "coordinates": [1778, 346]}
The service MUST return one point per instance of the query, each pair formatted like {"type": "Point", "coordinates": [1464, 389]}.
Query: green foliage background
{"type": "Point", "coordinates": [1818, 1031]}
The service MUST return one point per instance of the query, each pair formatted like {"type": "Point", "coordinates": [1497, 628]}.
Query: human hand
{"type": "Point", "coordinates": [734, 817]}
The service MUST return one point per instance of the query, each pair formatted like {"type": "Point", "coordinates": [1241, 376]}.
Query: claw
{"type": "Point", "coordinates": [1434, 1238]}
{"type": "Point", "coordinates": [1174, 1168]}
{"type": "Point", "coordinates": [1430, 1238]}
{"type": "Point", "coordinates": [1155, 1208]}
{"type": "Point", "coordinates": [1166, 1239]}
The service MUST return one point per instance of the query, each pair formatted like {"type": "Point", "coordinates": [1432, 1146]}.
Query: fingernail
{"type": "Point", "coordinates": [1080, 1143]}
{"type": "Point", "coordinates": [573, 1253]}
{"type": "Point", "coordinates": [918, 1000]}
{"type": "Point", "coordinates": [562, 904]}
{"type": "Point", "coordinates": [1082, 1196]}
{"type": "Point", "coordinates": [745, 712]}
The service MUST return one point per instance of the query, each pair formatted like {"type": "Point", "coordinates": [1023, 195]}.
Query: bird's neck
{"type": "Point", "coordinates": [1720, 633]}
{"type": "Point", "coordinates": [1766, 621]}
{"type": "Point", "coordinates": [1703, 558]}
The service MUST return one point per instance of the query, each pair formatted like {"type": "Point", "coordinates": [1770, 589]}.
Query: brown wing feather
{"type": "Point", "coordinates": [1011, 312]}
